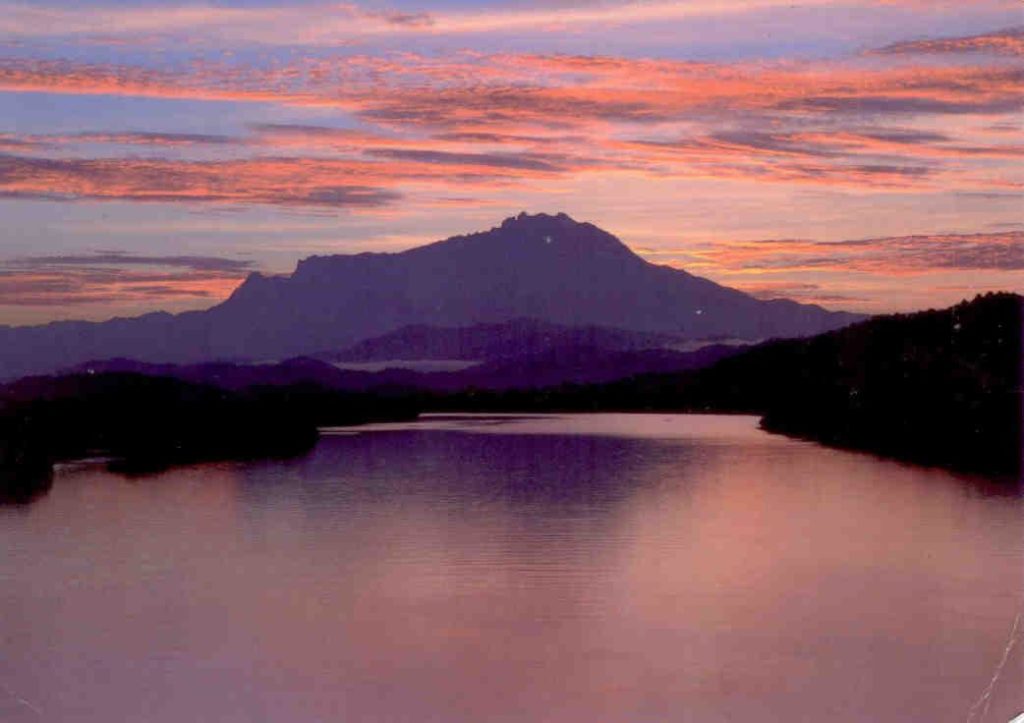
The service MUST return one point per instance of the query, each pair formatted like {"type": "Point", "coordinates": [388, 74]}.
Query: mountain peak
{"type": "Point", "coordinates": [539, 238]}
{"type": "Point", "coordinates": [527, 220]}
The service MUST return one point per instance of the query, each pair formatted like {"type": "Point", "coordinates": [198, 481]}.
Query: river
{"type": "Point", "coordinates": [576, 568]}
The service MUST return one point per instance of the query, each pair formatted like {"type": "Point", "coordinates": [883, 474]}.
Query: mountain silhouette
{"type": "Point", "coordinates": [544, 267]}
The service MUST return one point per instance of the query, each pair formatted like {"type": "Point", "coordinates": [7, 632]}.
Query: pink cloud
{"type": "Point", "coordinates": [1001, 42]}
{"type": "Point", "coordinates": [889, 256]}
{"type": "Point", "coordinates": [474, 93]}
{"type": "Point", "coordinates": [543, 117]}
{"type": "Point", "coordinates": [331, 23]}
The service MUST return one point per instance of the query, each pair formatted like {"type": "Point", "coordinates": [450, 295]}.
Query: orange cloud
{"type": "Point", "coordinates": [283, 181]}
{"type": "Point", "coordinates": [541, 116]}
{"type": "Point", "coordinates": [75, 289]}
{"type": "Point", "coordinates": [475, 93]}
{"type": "Point", "coordinates": [117, 278]}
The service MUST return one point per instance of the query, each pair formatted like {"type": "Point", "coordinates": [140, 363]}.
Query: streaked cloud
{"type": "Point", "coordinates": [1000, 42]}
{"type": "Point", "coordinates": [62, 289]}
{"type": "Point", "coordinates": [117, 278]}
{"type": "Point", "coordinates": [474, 119]}
{"type": "Point", "coordinates": [330, 23]}
{"type": "Point", "coordinates": [123, 258]}
{"type": "Point", "coordinates": [143, 138]}
{"type": "Point", "coordinates": [370, 179]}
{"type": "Point", "coordinates": [12, 142]}
{"type": "Point", "coordinates": [474, 93]}
{"type": "Point", "coordinates": [900, 255]}
{"type": "Point", "coordinates": [805, 292]}
{"type": "Point", "coordinates": [326, 23]}
{"type": "Point", "coordinates": [271, 181]}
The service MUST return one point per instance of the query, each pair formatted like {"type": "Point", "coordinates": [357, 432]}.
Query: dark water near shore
{"type": "Point", "coordinates": [624, 568]}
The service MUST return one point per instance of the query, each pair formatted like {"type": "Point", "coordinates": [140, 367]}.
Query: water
{"type": "Point", "coordinates": [581, 568]}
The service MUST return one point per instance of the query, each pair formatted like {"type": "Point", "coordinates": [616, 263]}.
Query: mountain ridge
{"type": "Point", "coordinates": [566, 364]}
{"type": "Point", "coordinates": [540, 266]}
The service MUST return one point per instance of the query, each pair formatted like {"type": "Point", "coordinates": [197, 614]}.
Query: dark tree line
{"type": "Point", "coordinates": [936, 387]}
{"type": "Point", "coordinates": [145, 423]}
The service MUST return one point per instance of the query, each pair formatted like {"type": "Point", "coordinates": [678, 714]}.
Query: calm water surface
{"type": "Point", "coordinates": [622, 568]}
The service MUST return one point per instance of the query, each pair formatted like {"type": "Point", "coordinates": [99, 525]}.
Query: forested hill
{"type": "Point", "coordinates": [941, 387]}
{"type": "Point", "coordinates": [938, 387]}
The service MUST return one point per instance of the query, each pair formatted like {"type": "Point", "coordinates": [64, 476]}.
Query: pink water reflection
{"type": "Point", "coordinates": [603, 567]}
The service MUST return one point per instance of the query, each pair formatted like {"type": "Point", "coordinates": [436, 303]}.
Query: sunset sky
{"type": "Point", "coordinates": [864, 155]}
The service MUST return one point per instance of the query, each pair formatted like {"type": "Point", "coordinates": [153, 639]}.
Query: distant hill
{"type": "Point", "coordinates": [485, 342]}
{"type": "Point", "coordinates": [543, 267]}
{"type": "Point", "coordinates": [939, 387]}
{"type": "Point", "coordinates": [576, 365]}
{"type": "Point", "coordinates": [566, 364]}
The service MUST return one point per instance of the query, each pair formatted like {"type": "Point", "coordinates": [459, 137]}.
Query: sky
{"type": "Point", "coordinates": [862, 155]}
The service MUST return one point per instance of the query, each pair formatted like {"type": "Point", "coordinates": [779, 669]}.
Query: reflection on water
{"type": "Point", "coordinates": [581, 568]}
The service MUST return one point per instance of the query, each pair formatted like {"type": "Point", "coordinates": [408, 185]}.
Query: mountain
{"type": "Point", "coordinates": [544, 267]}
{"type": "Point", "coordinates": [480, 342]}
